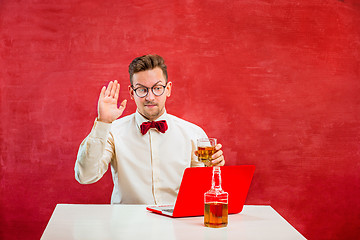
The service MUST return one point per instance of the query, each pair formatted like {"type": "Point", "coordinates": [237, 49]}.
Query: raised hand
{"type": "Point", "coordinates": [108, 111]}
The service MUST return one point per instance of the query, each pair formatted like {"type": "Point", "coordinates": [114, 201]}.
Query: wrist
{"type": "Point", "coordinates": [103, 120]}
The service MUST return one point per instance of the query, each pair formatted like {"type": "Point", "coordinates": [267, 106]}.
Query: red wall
{"type": "Point", "coordinates": [277, 82]}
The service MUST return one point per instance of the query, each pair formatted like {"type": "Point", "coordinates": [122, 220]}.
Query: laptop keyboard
{"type": "Point", "coordinates": [170, 210]}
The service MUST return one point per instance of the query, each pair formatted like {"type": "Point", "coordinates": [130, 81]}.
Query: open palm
{"type": "Point", "coordinates": [108, 111]}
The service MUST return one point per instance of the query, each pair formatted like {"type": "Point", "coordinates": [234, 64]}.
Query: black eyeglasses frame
{"type": "Point", "coordinates": [147, 90]}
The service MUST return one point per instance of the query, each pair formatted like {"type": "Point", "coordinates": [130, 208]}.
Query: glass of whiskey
{"type": "Point", "coordinates": [205, 149]}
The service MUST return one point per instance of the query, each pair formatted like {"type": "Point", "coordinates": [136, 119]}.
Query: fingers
{"type": "Point", "coordinates": [112, 90]}
{"type": "Point", "coordinates": [218, 146]}
{"type": "Point", "coordinates": [117, 90]}
{"type": "Point", "coordinates": [208, 164]}
{"type": "Point", "coordinates": [108, 89]}
{"type": "Point", "coordinates": [102, 93]}
{"type": "Point", "coordinates": [218, 157]}
{"type": "Point", "coordinates": [218, 162]}
{"type": "Point", "coordinates": [217, 154]}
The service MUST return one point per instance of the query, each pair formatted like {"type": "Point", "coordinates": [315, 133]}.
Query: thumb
{"type": "Point", "coordinates": [123, 105]}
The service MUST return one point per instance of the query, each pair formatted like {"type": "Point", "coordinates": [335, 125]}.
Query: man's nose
{"type": "Point", "coordinates": [150, 96]}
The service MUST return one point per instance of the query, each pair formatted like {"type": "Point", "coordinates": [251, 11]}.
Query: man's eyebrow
{"type": "Point", "coordinates": [145, 86]}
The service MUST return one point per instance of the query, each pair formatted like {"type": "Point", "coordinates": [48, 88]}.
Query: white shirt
{"type": "Point", "coordinates": [146, 169]}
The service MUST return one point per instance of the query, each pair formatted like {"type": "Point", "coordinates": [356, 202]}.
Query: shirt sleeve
{"type": "Point", "coordinates": [95, 153]}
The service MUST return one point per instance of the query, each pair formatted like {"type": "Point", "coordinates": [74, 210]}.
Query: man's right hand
{"type": "Point", "coordinates": [108, 111]}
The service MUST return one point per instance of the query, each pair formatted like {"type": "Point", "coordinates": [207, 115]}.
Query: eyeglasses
{"type": "Point", "coordinates": [157, 90]}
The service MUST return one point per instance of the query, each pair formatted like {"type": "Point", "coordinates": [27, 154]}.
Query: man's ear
{"type": "Point", "coordinates": [131, 92]}
{"type": "Point", "coordinates": [168, 87]}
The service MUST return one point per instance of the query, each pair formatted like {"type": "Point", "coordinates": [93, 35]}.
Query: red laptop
{"type": "Point", "coordinates": [196, 181]}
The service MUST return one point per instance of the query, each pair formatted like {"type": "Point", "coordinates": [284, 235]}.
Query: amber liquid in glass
{"type": "Point", "coordinates": [205, 153]}
{"type": "Point", "coordinates": [216, 214]}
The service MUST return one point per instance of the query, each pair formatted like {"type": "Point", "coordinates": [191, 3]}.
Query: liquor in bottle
{"type": "Point", "coordinates": [216, 203]}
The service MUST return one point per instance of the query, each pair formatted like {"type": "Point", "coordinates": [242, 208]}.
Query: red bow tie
{"type": "Point", "coordinates": [159, 125]}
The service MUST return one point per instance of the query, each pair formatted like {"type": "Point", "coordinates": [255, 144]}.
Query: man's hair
{"type": "Point", "coordinates": [147, 62]}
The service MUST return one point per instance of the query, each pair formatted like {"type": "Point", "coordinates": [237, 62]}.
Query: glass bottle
{"type": "Point", "coordinates": [216, 203]}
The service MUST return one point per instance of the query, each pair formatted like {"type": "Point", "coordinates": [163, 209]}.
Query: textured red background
{"type": "Point", "coordinates": [276, 81]}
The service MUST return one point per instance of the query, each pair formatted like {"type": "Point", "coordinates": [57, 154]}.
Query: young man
{"type": "Point", "coordinates": [148, 150]}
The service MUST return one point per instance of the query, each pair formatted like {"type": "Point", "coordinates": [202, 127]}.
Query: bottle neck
{"type": "Point", "coordinates": [216, 178]}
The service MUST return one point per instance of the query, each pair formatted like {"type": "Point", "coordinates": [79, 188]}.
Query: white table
{"type": "Point", "coordinates": [102, 222]}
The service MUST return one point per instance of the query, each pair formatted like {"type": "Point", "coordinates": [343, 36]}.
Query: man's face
{"type": "Point", "coordinates": [150, 106]}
